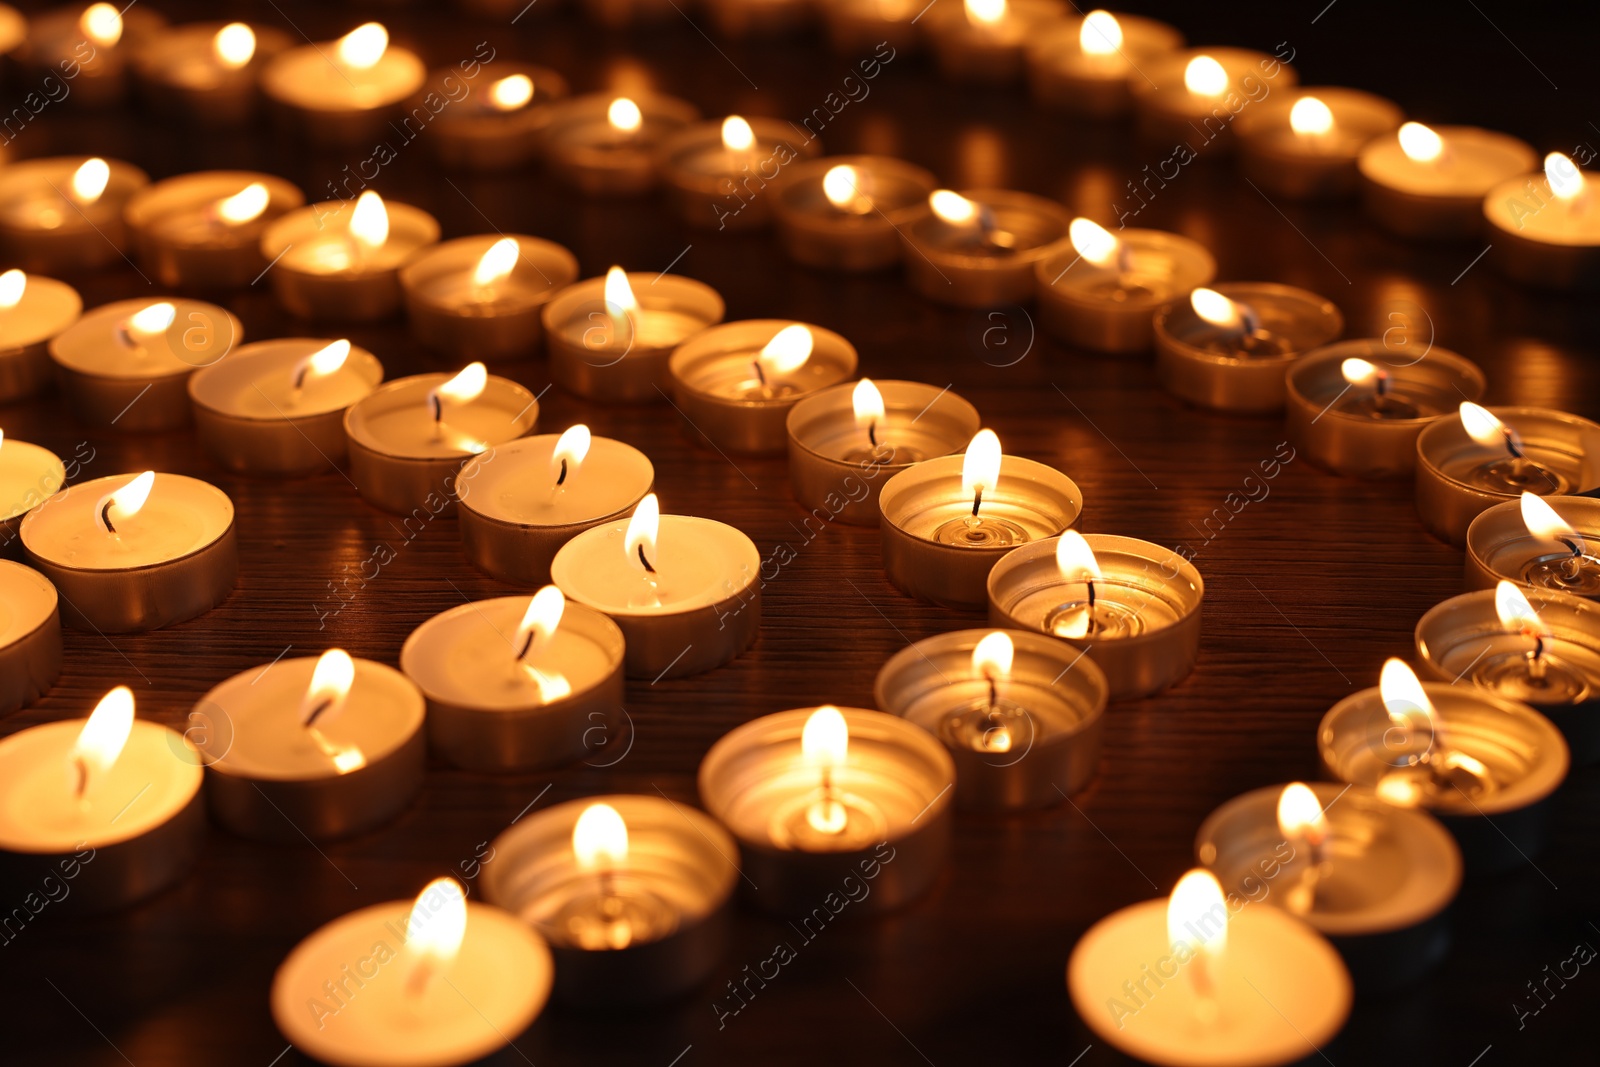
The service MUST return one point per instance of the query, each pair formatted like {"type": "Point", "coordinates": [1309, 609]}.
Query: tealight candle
{"type": "Point", "coordinates": [605, 145]}
{"type": "Point", "coordinates": [132, 553]}
{"type": "Point", "coordinates": [1303, 145]}
{"type": "Point", "coordinates": [203, 231]}
{"type": "Point", "coordinates": [344, 91]}
{"type": "Point", "coordinates": [29, 475]}
{"type": "Point", "coordinates": [1191, 98]}
{"type": "Point", "coordinates": [716, 173]}
{"type": "Point", "coordinates": [30, 636]}
{"type": "Point", "coordinates": [349, 272]}
{"type": "Point", "coordinates": [1088, 65]}
{"type": "Point", "coordinates": [625, 14]}
{"type": "Point", "coordinates": [207, 71]}
{"type": "Point", "coordinates": [978, 247]}
{"type": "Point", "coordinates": [497, 128]}
{"type": "Point", "coordinates": [609, 338]}
{"type": "Point", "coordinates": [515, 684]}
{"type": "Point", "coordinates": [1374, 878]}
{"type": "Point", "coordinates": [739, 19]}
{"type": "Point", "coordinates": [737, 382]}
{"type": "Point", "coordinates": [429, 983]}
{"type": "Point", "coordinates": [1021, 715]}
{"type": "Point", "coordinates": [869, 27]}
{"type": "Point", "coordinates": [409, 438]}
{"type": "Point", "coordinates": [1356, 411]}
{"type": "Point", "coordinates": [1203, 979]}
{"type": "Point", "coordinates": [522, 501]}
{"type": "Point", "coordinates": [948, 521]}
{"type": "Point", "coordinates": [1549, 231]}
{"type": "Point", "coordinates": [312, 748]}
{"type": "Point", "coordinates": [33, 310]}
{"type": "Point", "coordinates": [847, 440]}
{"type": "Point", "coordinates": [110, 803]}
{"type": "Point", "coordinates": [13, 32]}
{"type": "Point", "coordinates": [844, 212]}
{"type": "Point", "coordinates": [982, 41]}
{"type": "Point", "coordinates": [481, 297]}
{"type": "Point", "coordinates": [1468, 464]}
{"type": "Point", "coordinates": [632, 892]}
{"type": "Point", "coordinates": [64, 213]}
{"type": "Point", "coordinates": [1546, 657]}
{"type": "Point", "coordinates": [1228, 348]}
{"type": "Point", "coordinates": [126, 364]}
{"type": "Point", "coordinates": [277, 407]}
{"type": "Point", "coordinates": [816, 796]}
{"type": "Point", "coordinates": [684, 590]}
{"type": "Point", "coordinates": [94, 42]}
{"type": "Point", "coordinates": [1536, 542]}
{"type": "Point", "coordinates": [1425, 182]}
{"type": "Point", "coordinates": [1103, 290]}
{"type": "Point", "coordinates": [1132, 607]}
{"type": "Point", "coordinates": [1483, 763]}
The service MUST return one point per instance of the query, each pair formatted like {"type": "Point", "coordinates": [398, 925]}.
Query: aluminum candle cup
{"type": "Point", "coordinates": [250, 413]}
{"type": "Point", "coordinates": [1499, 822]}
{"type": "Point", "coordinates": [1037, 741]}
{"type": "Point", "coordinates": [452, 312]}
{"type": "Point", "coordinates": [864, 27]}
{"type": "Point", "coordinates": [718, 187]}
{"type": "Point", "coordinates": [893, 785]}
{"type": "Point", "coordinates": [190, 72]}
{"type": "Point", "coordinates": [989, 52]}
{"type": "Point", "coordinates": [1351, 429]}
{"type": "Point", "coordinates": [602, 148]}
{"type": "Point", "coordinates": [697, 611]}
{"type": "Point", "coordinates": [1096, 81]}
{"type": "Point", "coordinates": [740, 19]}
{"type": "Point", "coordinates": [116, 374]}
{"type": "Point", "coordinates": [721, 394]}
{"type": "Point", "coordinates": [1170, 113]}
{"type": "Point", "coordinates": [1377, 886]}
{"type": "Point", "coordinates": [603, 352]}
{"type": "Point", "coordinates": [329, 98]}
{"type": "Point", "coordinates": [877, 195]}
{"type": "Point", "coordinates": [1546, 238]}
{"type": "Point", "coordinates": [30, 636]}
{"type": "Point", "coordinates": [50, 226]}
{"type": "Point", "coordinates": [203, 231]}
{"type": "Point", "coordinates": [498, 127]}
{"type": "Point", "coordinates": [837, 470]}
{"type": "Point", "coordinates": [988, 262]}
{"type": "Point", "coordinates": [515, 517]}
{"type": "Point", "coordinates": [97, 56]}
{"type": "Point", "coordinates": [326, 271]}
{"type": "Point", "coordinates": [168, 560]}
{"type": "Point", "coordinates": [29, 475]}
{"type": "Point", "coordinates": [1558, 675]}
{"type": "Point", "coordinates": [1241, 367]}
{"type": "Point", "coordinates": [489, 710]}
{"type": "Point", "coordinates": [1439, 196]}
{"type": "Point", "coordinates": [1311, 153]}
{"type": "Point", "coordinates": [44, 309]}
{"type": "Point", "coordinates": [1142, 625]}
{"type": "Point", "coordinates": [270, 777]}
{"type": "Point", "coordinates": [1500, 546]}
{"type": "Point", "coordinates": [1458, 478]}
{"type": "Point", "coordinates": [1110, 308]}
{"type": "Point", "coordinates": [673, 889]}
{"type": "Point", "coordinates": [404, 460]}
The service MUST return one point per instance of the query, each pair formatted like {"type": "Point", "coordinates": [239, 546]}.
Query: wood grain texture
{"type": "Point", "coordinates": [1308, 589]}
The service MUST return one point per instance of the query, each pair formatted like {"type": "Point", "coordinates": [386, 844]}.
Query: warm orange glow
{"type": "Point", "coordinates": [1216, 309]}
{"type": "Point", "coordinates": [953, 208]}
{"type": "Point", "coordinates": [152, 319]}
{"type": "Point", "coordinates": [120, 505]}
{"type": "Point", "coordinates": [1481, 425]}
{"type": "Point", "coordinates": [369, 222]}
{"type": "Point", "coordinates": [1075, 559]}
{"type": "Point", "coordinates": [787, 352]}
{"type": "Point", "coordinates": [600, 838]}
{"type": "Point", "coordinates": [1542, 520]}
{"type": "Point", "coordinates": [101, 24]}
{"type": "Point", "coordinates": [1094, 242]}
{"type": "Point", "coordinates": [1197, 914]}
{"type": "Point", "coordinates": [1300, 815]}
{"type": "Point", "coordinates": [497, 262]}
{"type": "Point", "coordinates": [1516, 614]}
{"type": "Point", "coordinates": [842, 186]}
{"type": "Point", "coordinates": [1358, 371]}
{"type": "Point", "coordinates": [322, 362]}
{"type": "Point", "coordinates": [512, 92]}
{"type": "Point", "coordinates": [1310, 117]}
{"type": "Point", "coordinates": [624, 115]}
{"type": "Point", "coordinates": [868, 404]}
{"type": "Point", "coordinates": [13, 283]}
{"type": "Point", "coordinates": [234, 45]}
{"type": "Point", "coordinates": [643, 528]}
{"type": "Point", "coordinates": [539, 622]}
{"type": "Point", "coordinates": [737, 136]}
{"type": "Point", "coordinates": [571, 449]}
{"type": "Point", "coordinates": [1420, 143]}
{"type": "Point", "coordinates": [1100, 34]}
{"type": "Point", "coordinates": [466, 386]}
{"type": "Point", "coordinates": [1204, 76]}
{"type": "Point", "coordinates": [245, 205]}
{"type": "Point", "coordinates": [362, 47]}
{"type": "Point", "coordinates": [331, 680]}
{"type": "Point", "coordinates": [825, 738]}
{"type": "Point", "coordinates": [980, 468]}
{"type": "Point", "coordinates": [1566, 180]}
{"type": "Point", "coordinates": [619, 298]}
{"type": "Point", "coordinates": [90, 180]}
{"type": "Point", "coordinates": [1403, 695]}
{"type": "Point", "coordinates": [984, 12]}
{"type": "Point", "coordinates": [103, 736]}
{"type": "Point", "coordinates": [435, 929]}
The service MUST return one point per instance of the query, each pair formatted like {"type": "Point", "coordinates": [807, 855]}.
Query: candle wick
{"type": "Point", "coordinates": [977, 501]}
{"type": "Point", "coordinates": [83, 776]}
{"type": "Point", "coordinates": [316, 713]}
{"type": "Point", "coordinates": [1383, 385]}
{"type": "Point", "coordinates": [1511, 444]}
{"type": "Point", "coordinates": [105, 517]}
{"type": "Point", "coordinates": [645, 561]}
{"type": "Point", "coordinates": [562, 477]}
{"type": "Point", "coordinates": [872, 432]}
{"type": "Point", "coordinates": [994, 694]}
{"type": "Point", "coordinates": [761, 375]}
{"type": "Point", "coordinates": [527, 644]}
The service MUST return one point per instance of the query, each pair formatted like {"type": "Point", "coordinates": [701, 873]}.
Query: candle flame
{"type": "Point", "coordinates": [322, 362]}
{"type": "Point", "coordinates": [1100, 34]}
{"type": "Point", "coordinates": [435, 928]}
{"type": "Point", "coordinates": [825, 738]}
{"type": "Point", "coordinates": [1566, 180]}
{"type": "Point", "coordinates": [980, 467]}
{"type": "Point", "coordinates": [331, 680]}
{"type": "Point", "coordinates": [539, 622]}
{"type": "Point", "coordinates": [1204, 76]}
{"type": "Point", "coordinates": [247, 204]}
{"type": "Point", "coordinates": [1075, 559]}
{"type": "Point", "coordinates": [497, 262]}
{"type": "Point", "coordinates": [1403, 696]}
{"type": "Point", "coordinates": [103, 736]}
{"type": "Point", "coordinates": [1542, 520]}
{"type": "Point", "coordinates": [992, 657]}
{"type": "Point", "coordinates": [868, 404]}
{"type": "Point", "coordinates": [466, 386]}
{"type": "Point", "coordinates": [152, 319]}
{"type": "Point", "coordinates": [787, 352]}
{"type": "Point", "coordinates": [1300, 814]}
{"type": "Point", "coordinates": [643, 529]}
{"type": "Point", "coordinates": [600, 837]}
{"type": "Point", "coordinates": [512, 92]}
{"type": "Point", "coordinates": [1420, 143]}
{"type": "Point", "coordinates": [619, 297]}
{"type": "Point", "coordinates": [571, 448]}
{"type": "Point", "coordinates": [624, 115]}
{"type": "Point", "coordinates": [122, 504]}
{"type": "Point", "coordinates": [13, 283]}
{"type": "Point", "coordinates": [737, 136]}
{"type": "Point", "coordinates": [90, 180]}
{"type": "Point", "coordinates": [362, 47]}
{"type": "Point", "coordinates": [234, 45]}
{"type": "Point", "coordinates": [1516, 614]}
{"type": "Point", "coordinates": [1196, 905]}
{"type": "Point", "coordinates": [369, 222]}
{"type": "Point", "coordinates": [1310, 117]}
{"type": "Point", "coordinates": [1094, 242]}
{"type": "Point", "coordinates": [102, 24]}
{"type": "Point", "coordinates": [1358, 371]}
{"type": "Point", "coordinates": [1216, 309]}
{"type": "Point", "coordinates": [951, 207]}
{"type": "Point", "coordinates": [1481, 424]}
{"type": "Point", "coordinates": [984, 12]}
{"type": "Point", "coordinates": [842, 186]}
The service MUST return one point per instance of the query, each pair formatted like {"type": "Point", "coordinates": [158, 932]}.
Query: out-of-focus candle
{"type": "Point", "coordinates": [983, 41]}
{"type": "Point", "coordinates": [28, 476]}
{"type": "Point", "coordinates": [33, 311]}
{"type": "Point", "coordinates": [207, 71]}
{"type": "Point", "coordinates": [64, 213]}
{"type": "Point", "coordinates": [1430, 182]}
{"type": "Point", "coordinates": [1549, 225]}
{"type": "Point", "coordinates": [88, 45]}
{"type": "Point", "coordinates": [1188, 101]}
{"type": "Point", "coordinates": [203, 231]}
{"type": "Point", "coordinates": [344, 91]}
{"type": "Point", "coordinates": [606, 145]}
{"type": "Point", "coordinates": [717, 173]}
{"type": "Point", "coordinates": [481, 297]}
{"type": "Point", "coordinates": [979, 247]}
{"type": "Point", "coordinates": [497, 125]}
{"type": "Point", "coordinates": [1088, 65]}
{"type": "Point", "coordinates": [30, 636]}
{"type": "Point", "coordinates": [342, 259]}
{"type": "Point", "coordinates": [1304, 144]}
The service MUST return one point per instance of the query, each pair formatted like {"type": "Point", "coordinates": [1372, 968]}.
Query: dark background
{"type": "Point", "coordinates": [1308, 590]}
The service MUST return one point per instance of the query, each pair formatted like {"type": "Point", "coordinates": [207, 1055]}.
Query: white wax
{"type": "Point", "coordinates": [1473, 161]}
{"type": "Point", "coordinates": [264, 738]}
{"type": "Point", "coordinates": [699, 562]}
{"type": "Point", "coordinates": [256, 381]}
{"type": "Point", "coordinates": [183, 211]}
{"type": "Point", "coordinates": [310, 77]}
{"type": "Point", "coordinates": [1282, 991]}
{"type": "Point", "coordinates": [35, 195]}
{"type": "Point", "coordinates": [651, 329]}
{"type": "Point", "coordinates": [513, 484]}
{"type": "Point", "coordinates": [486, 997]}
{"type": "Point", "coordinates": [154, 778]}
{"type": "Point", "coordinates": [397, 420]}
{"type": "Point", "coordinates": [47, 307]}
{"type": "Point", "coordinates": [26, 600]}
{"type": "Point", "coordinates": [199, 334]}
{"type": "Point", "coordinates": [1525, 206]}
{"type": "Point", "coordinates": [316, 239]}
{"type": "Point", "coordinates": [28, 474]}
{"type": "Point", "coordinates": [181, 516]}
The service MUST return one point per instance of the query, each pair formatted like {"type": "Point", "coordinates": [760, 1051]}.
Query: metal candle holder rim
{"type": "Point", "coordinates": [805, 405]}
{"type": "Point", "coordinates": [1509, 415]}
{"type": "Point", "coordinates": [358, 358]}
{"type": "Point", "coordinates": [1364, 347]}
{"type": "Point", "coordinates": [1239, 292]}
